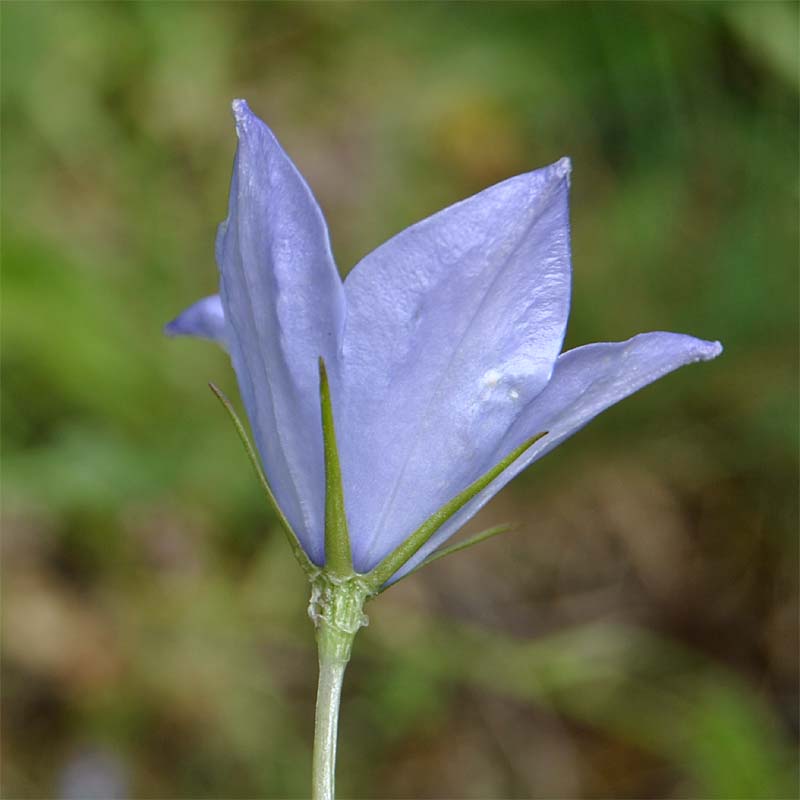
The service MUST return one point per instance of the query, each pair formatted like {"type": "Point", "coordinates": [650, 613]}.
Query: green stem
{"type": "Point", "coordinates": [336, 608]}
{"type": "Point", "coordinates": [329, 692]}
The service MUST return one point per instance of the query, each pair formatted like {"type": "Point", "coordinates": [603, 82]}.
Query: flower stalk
{"type": "Point", "coordinates": [326, 723]}
{"type": "Point", "coordinates": [336, 609]}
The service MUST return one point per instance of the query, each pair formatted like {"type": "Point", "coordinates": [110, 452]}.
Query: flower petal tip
{"type": "Point", "coordinates": [241, 114]}
{"type": "Point", "coordinates": [563, 168]}
{"type": "Point", "coordinates": [696, 350]}
{"type": "Point", "coordinates": [204, 319]}
{"type": "Point", "coordinates": [178, 327]}
{"type": "Point", "coordinates": [171, 329]}
{"type": "Point", "coordinates": [711, 350]}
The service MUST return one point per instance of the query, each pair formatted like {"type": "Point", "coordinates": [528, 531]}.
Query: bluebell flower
{"type": "Point", "coordinates": [442, 348]}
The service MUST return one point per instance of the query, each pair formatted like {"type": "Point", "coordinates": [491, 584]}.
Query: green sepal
{"type": "Point", "coordinates": [338, 555]}
{"type": "Point", "coordinates": [300, 554]}
{"type": "Point", "coordinates": [464, 544]}
{"type": "Point", "coordinates": [383, 571]}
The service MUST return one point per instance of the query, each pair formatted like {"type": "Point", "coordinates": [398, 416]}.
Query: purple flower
{"type": "Point", "coordinates": [441, 346]}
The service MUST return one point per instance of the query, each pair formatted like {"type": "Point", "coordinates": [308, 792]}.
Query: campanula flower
{"type": "Point", "coordinates": [442, 349]}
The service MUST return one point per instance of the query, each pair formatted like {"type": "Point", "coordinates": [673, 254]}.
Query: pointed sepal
{"type": "Point", "coordinates": [338, 555]}
{"type": "Point", "coordinates": [310, 569]}
{"type": "Point", "coordinates": [386, 568]}
{"type": "Point", "coordinates": [489, 533]}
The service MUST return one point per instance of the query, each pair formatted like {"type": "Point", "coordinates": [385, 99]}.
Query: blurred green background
{"type": "Point", "coordinates": [636, 638]}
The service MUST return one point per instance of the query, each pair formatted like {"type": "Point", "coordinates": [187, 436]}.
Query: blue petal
{"type": "Point", "coordinates": [205, 320]}
{"type": "Point", "coordinates": [453, 327]}
{"type": "Point", "coordinates": [585, 382]}
{"type": "Point", "coordinates": [284, 302]}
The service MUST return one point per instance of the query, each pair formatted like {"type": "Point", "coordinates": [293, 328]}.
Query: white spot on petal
{"type": "Point", "coordinates": [491, 378]}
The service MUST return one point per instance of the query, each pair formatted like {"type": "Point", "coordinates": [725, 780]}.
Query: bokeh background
{"type": "Point", "coordinates": [636, 637]}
